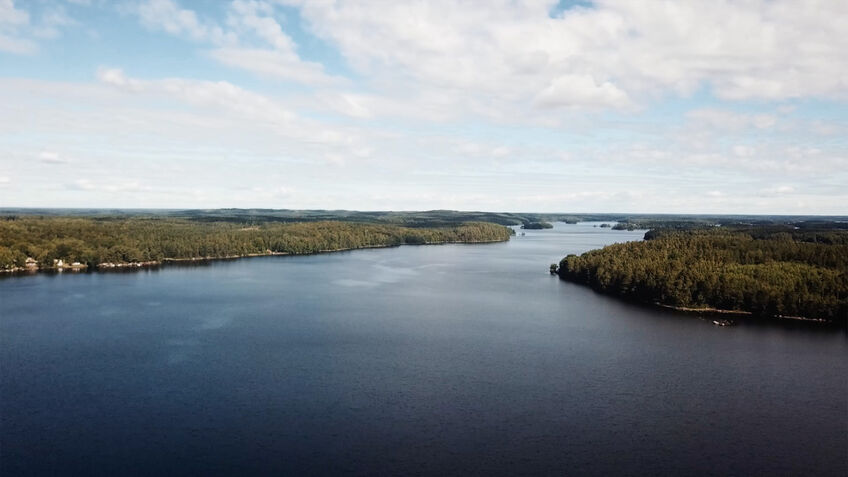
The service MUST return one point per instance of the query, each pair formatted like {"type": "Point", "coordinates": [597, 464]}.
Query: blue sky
{"type": "Point", "coordinates": [619, 106]}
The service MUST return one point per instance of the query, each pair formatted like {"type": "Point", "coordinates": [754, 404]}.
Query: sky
{"type": "Point", "coordinates": [714, 107]}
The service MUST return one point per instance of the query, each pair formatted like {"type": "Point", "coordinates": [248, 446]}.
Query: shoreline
{"type": "Point", "coordinates": [740, 313]}
{"type": "Point", "coordinates": [109, 266]}
{"type": "Point", "coordinates": [706, 310]}
{"type": "Point", "coordinates": [737, 313]}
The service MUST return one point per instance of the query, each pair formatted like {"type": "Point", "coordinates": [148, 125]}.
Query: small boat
{"type": "Point", "coordinates": [722, 322]}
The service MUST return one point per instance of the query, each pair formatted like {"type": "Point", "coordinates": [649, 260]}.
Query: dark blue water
{"type": "Point", "coordinates": [431, 360]}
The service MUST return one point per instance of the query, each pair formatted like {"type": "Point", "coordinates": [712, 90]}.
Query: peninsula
{"type": "Point", "coordinates": [774, 271]}
{"type": "Point", "coordinates": [31, 243]}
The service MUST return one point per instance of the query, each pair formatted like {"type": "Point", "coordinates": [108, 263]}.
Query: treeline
{"type": "Point", "coordinates": [537, 225]}
{"type": "Point", "coordinates": [93, 241]}
{"type": "Point", "coordinates": [762, 270]}
{"type": "Point", "coordinates": [434, 218]}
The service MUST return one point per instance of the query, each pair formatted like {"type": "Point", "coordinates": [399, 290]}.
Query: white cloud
{"type": "Point", "coordinates": [166, 15]}
{"type": "Point", "coordinates": [255, 17]}
{"type": "Point", "coordinates": [19, 34]}
{"type": "Point", "coordinates": [20, 46]}
{"type": "Point", "coordinates": [50, 157]}
{"type": "Point", "coordinates": [353, 105]}
{"type": "Point", "coordinates": [581, 92]}
{"type": "Point", "coordinates": [9, 15]}
{"type": "Point", "coordinates": [451, 105]}
{"type": "Point", "coordinates": [274, 64]}
{"type": "Point", "coordinates": [252, 40]}
{"type": "Point", "coordinates": [515, 53]}
{"type": "Point", "coordinates": [52, 22]}
{"type": "Point", "coordinates": [217, 94]}
{"type": "Point", "coordinates": [277, 56]}
{"type": "Point", "coordinates": [12, 24]}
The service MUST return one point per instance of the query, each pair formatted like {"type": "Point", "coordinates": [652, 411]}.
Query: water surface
{"type": "Point", "coordinates": [430, 360]}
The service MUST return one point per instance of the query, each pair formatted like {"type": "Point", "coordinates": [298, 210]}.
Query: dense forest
{"type": "Point", "coordinates": [537, 225]}
{"type": "Point", "coordinates": [121, 240]}
{"type": "Point", "coordinates": [765, 270]}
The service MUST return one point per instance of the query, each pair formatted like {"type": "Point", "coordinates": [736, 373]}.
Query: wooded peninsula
{"type": "Point", "coordinates": [67, 242]}
{"type": "Point", "coordinates": [766, 270]}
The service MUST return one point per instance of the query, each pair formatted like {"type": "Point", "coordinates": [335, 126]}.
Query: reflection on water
{"type": "Point", "coordinates": [457, 359]}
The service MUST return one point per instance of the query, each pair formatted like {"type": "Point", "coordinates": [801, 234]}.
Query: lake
{"type": "Point", "coordinates": [417, 360]}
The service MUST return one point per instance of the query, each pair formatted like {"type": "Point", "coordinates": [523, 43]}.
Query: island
{"type": "Point", "coordinates": [772, 271]}
{"type": "Point", "coordinates": [537, 225]}
{"type": "Point", "coordinates": [629, 226]}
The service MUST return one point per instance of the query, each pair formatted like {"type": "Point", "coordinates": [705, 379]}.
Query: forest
{"type": "Point", "coordinates": [537, 225]}
{"type": "Point", "coordinates": [768, 270]}
{"type": "Point", "coordinates": [96, 241]}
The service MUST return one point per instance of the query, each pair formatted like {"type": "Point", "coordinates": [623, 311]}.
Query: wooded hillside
{"type": "Point", "coordinates": [93, 241]}
{"type": "Point", "coordinates": [768, 271]}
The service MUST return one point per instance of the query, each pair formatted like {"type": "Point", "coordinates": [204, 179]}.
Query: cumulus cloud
{"type": "Point", "coordinates": [168, 16]}
{"type": "Point", "coordinates": [251, 39]}
{"type": "Point", "coordinates": [582, 91]}
{"type": "Point", "coordinates": [514, 60]}
{"type": "Point", "coordinates": [759, 49]}
{"type": "Point", "coordinates": [449, 104]}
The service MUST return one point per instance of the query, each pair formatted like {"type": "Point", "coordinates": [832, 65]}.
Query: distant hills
{"type": "Point", "coordinates": [436, 218]}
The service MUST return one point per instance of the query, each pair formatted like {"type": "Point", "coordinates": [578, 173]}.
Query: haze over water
{"type": "Point", "coordinates": [463, 359]}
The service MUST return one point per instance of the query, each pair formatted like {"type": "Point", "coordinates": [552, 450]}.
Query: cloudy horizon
{"type": "Point", "coordinates": [703, 107]}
